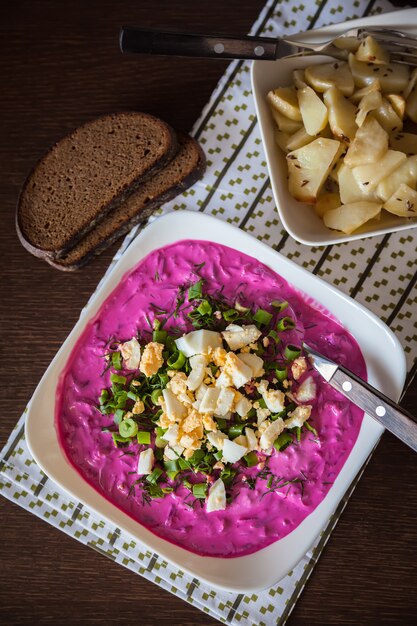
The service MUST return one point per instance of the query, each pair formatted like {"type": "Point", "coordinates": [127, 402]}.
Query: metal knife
{"type": "Point", "coordinates": [395, 419]}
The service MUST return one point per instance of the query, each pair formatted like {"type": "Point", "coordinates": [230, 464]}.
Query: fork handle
{"type": "Point", "coordinates": [145, 41]}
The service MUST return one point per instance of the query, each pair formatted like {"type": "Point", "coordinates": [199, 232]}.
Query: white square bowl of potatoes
{"type": "Point", "coordinates": [340, 137]}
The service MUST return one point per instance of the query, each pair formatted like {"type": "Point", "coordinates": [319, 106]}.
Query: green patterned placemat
{"type": "Point", "coordinates": [379, 272]}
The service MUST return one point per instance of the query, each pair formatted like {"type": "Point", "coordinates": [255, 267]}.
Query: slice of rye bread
{"type": "Point", "coordinates": [85, 175]}
{"type": "Point", "coordinates": [183, 171]}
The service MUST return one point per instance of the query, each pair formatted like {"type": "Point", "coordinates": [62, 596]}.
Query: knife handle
{"type": "Point", "coordinates": [395, 419]}
{"type": "Point", "coordinates": [145, 41]}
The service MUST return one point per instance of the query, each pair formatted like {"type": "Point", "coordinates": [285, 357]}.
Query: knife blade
{"type": "Point", "coordinates": [375, 404]}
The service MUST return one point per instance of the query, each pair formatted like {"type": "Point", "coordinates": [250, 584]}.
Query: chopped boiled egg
{"type": "Point", "coordinates": [171, 435]}
{"type": "Point", "coordinates": [198, 363]}
{"type": "Point", "coordinates": [269, 435]}
{"type": "Point", "coordinates": [216, 500]}
{"type": "Point", "coordinates": [173, 407]}
{"type": "Point", "coordinates": [274, 398]}
{"type": "Point", "coordinates": [152, 358]}
{"type": "Point", "coordinates": [146, 461]}
{"type": "Point", "coordinates": [199, 342]}
{"type": "Point", "coordinates": [307, 390]}
{"type": "Point", "coordinates": [298, 416]}
{"type": "Point", "coordinates": [131, 353]}
{"type": "Point", "coordinates": [251, 439]}
{"type": "Point", "coordinates": [242, 406]}
{"type": "Point", "coordinates": [298, 367]}
{"type": "Point", "coordinates": [217, 439]}
{"type": "Point", "coordinates": [239, 372]}
{"type": "Point", "coordinates": [233, 452]}
{"type": "Point", "coordinates": [172, 452]}
{"type": "Point", "coordinates": [224, 401]}
{"type": "Point", "coordinates": [237, 337]}
{"type": "Point", "coordinates": [208, 403]}
{"type": "Point", "coordinates": [254, 362]}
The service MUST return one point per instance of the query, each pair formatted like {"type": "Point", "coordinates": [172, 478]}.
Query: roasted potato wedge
{"type": "Point", "coordinates": [342, 114]}
{"type": "Point", "coordinates": [369, 176]}
{"type": "Point", "coordinates": [308, 168]}
{"type": "Point", "coordinates": [349, 217]}
{"type": "Point", "coordinates": [284, 123]}
{"type": "Point", "coordinates": [337, 74]}
{"type": "Point", "coordinates": [313, 110]}
{"type": "Point", "coordinates": [369, 103]}
{"type": "Point", "coordinates": [369, 145]}
{"type": "Point", "coordinates": [370, 51]}
{"type": "Point", "coordinates": [326, 202]}
{"type": "Point", "coordinates": [392, 77]}
{"type": "Point", "coordinates": [405, 174]}
{"type": "Point", "coordinates": [404, 142]}
{"type": "Point", "coordinates": [403, 202]}
{"type": "Point", "coordinates": [285, 101]}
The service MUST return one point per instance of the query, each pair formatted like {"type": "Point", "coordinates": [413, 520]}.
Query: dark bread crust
{"type": "Point", "coordinates": [85, 251]}
{"type": "Point", "coordinates": [155, 131]}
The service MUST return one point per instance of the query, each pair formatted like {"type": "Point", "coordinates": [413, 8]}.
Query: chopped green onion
{"type": "Point", "coordinates": [200, 490]}
{"type": "Point", "coordinates": [176, 361]}
{"type": "Point", "coordinates": [154, 476]}
{"type": "Point", "coordinates": [298, 433]}
{"type": "Point", "coordinates": [236, 430]}
{"type": "Point", "coordinates": [164, 379]}
{"type": "Point", "coordinates": [132, 395]}
{"type": "Point", "coordinates": [144, 437]}
{"type": "Point", "coordinates": [285, 323]}
{"type": "Point", "coordinates": [273, 333]}
{"type": "Point", "coordinates": [262, 317]}
{"type": "Point", "coordinates": [292, 352]}
{"type": "Point", "coordinates": [227, 475]}
{"type": "Point", "coordinates": [214, 368]}
{"type": "Point", "coordinates": [183, 464]}
{"type": "Point", "coordinates": [160, 431]}
{"type": "Point", "coordinates": [155, 395]}
{"type": "Point", "coordinates": [156, 324]}
{"type": "Point", "coordinates": [251, 459]}
{"type": "Point", "coordinates": [116, 359]}
{"type": "Point", "coordinates": [218, 455]}
{"type": "Point", "coordinates": [230, 315]}
{"type": "Point", "coordinates": [279, 305]}
{"type": "Point", "coordinates": [173, 475]}
{"type": "Point", "coordinates": [128, 428]}
{"type": "Point", "coordinates": [251, 414]}
{"type": "Point", "coordinates": [311, 429]}
{"type": "Point", "coordinates": [242, 309]}
{"type": "Point", "coordinates": [119, 439]}
{"type": "Point", "coordinates": [159, 336]}
{"type": "Point", "coordinates": [115, 378]}
{"type": "Point", "coordinates": [282, 441]}
{"type": "Point", "coordinates": [205, 308]}
{"type": "Point", "coordinates": [160, 442]}
{"type": "Point", "coordinates": [167, 489]}
{"type": "Point", "coordinates": [196, 457]}
{"type": "Point", "coordinates": [187, 484]}
{"type": "Point", "coordinates": [195, 291]}
{"type": "Point", "coordinates": [281, 373]}
{"type": "Point", "coordinates": [171, 466]}
{"type": "Point", "coordinates": [262, 403]}
{"type": "Point", "coordinates": [104, 396]}
{"type": "Point", "coordinates": [221, 423]}
{"type": "Point", "coordinates": [170, 343]}
{"type": "Point", "coordinates": [118, 416]}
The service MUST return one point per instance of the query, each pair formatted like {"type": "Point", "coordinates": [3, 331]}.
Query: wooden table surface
{"type": "Point", "coordinates": [60, 66]}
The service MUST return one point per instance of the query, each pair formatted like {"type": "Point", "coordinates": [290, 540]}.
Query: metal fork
{"type": "Point", "coordinates": [401, 46]}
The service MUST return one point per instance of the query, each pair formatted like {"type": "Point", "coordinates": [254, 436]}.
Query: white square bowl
{"type": "Point", "coordinates": [385, 364]}
{"type": "Point", "coordinates": [298, 218]}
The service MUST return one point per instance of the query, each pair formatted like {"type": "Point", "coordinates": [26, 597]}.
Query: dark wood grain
{"type": "Point", "coordinates": [60, 65]}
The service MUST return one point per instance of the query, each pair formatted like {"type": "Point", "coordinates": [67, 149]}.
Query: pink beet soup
{"type": "Point", "coordinates": [255, 516]}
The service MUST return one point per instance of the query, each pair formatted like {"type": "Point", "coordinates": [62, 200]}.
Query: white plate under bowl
{"type": "Point", "coordinates": [298, 218]}
{"type": "Point", "coordinates": [386, 370]}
